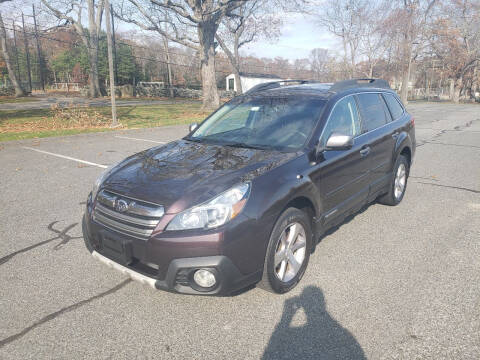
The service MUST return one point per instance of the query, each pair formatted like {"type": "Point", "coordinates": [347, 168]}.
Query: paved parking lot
{"type": "Point", "coordinates": [392, 283]}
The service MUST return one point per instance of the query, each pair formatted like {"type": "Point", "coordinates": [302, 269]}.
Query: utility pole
{"type": "Point", "coordinates": [110, 63]}
{"type": "Point", "coordinates": [114, 43]}
{"type": "Point", "coordinates": [39, 53]}
{"type": "Point", "coordinates": [169, 68]}
{"type": "Point", "coordinates": [16, 51]}
{"type": "Point", "coordinates": [27, 53]}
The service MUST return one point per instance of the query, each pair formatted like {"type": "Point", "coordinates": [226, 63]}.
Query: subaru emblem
{"type": "Point", "coordinates": [121, 205]}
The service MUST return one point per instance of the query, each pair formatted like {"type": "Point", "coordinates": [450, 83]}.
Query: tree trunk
{"type": "Point", "coordinates": [206, 35]}
{"type": "Point", "coordinates": [352, 61]}
{"type": "Point", "coordinates": [11, 73]}
{"type": "Point", "coordinates": [407, 54]}
{"type": "Point", "coordinates": [457, 87]}
{"type": "Point", "coordinates": [92, 43]}
{"type": "Point", "coordinates": [234, 59]}
{"type": "Point", "coordinates": [451, 89]}
{"type": "Point", "coordinates": [406, 80]}
{"type": "Point", "coordinates": [238, 81]}
{"type": "Point", "coordinates": [345, 62]}
{"type": "Point", "coordinates": [94, 82]}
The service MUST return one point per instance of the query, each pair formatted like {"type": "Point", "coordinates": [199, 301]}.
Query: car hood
{"type": "Point", "coordinates": [184, 173]}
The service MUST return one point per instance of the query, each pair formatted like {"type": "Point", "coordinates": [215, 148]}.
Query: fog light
{"type": "Point", "coordinates": [204, 278]}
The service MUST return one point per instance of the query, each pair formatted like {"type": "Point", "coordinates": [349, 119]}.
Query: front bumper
{"type": "Point", "coordinates": [178, 276]}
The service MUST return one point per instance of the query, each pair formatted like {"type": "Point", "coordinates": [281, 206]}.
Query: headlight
{"type": "Point", "coordinates": [99, 181]}
{"type": "Point", "coordinates": [213, 213]}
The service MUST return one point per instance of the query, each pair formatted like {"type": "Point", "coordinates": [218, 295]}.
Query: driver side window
{"type": "Point", "coordinates": [344, 120]}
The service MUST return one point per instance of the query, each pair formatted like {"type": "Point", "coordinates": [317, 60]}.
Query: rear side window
{"type": "Point", "coordinates": [373, 111]}
{"type": "Point", "coordinates": [394, 106]}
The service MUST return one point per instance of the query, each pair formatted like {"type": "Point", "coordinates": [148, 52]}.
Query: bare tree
{"type": "Point", "coordinates": [72, 11]}
{"type": "Point", "coordinates": [373, 37]}
{"type": "Point", "coordinates": [344, 19]}
{"type": "Point", "coordinates": [147, 16]}
{"type": "Point", "coordinates": [319, 60]}
{"type": "Point", "coordinates": [247, 23]}
{"type": "Point", "coordinates": [411, 20]}
{"type": "Point", "coordinates": [456, 42]}
{"type": "Point", "coordinates": [201, 16]}
{"type": "Point", "coordinates": [11, 72]}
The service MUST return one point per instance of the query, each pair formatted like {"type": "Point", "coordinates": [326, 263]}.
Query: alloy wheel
{"type": "Point", "coordinates": [400, 181]}
{"type": "Point", "coordinates": [290, 252]}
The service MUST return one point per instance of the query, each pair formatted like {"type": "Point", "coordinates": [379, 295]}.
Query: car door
{"type": "Point", "coordinates": [379, 139]}
{"type": "Point", "coordinates": [342, 175]}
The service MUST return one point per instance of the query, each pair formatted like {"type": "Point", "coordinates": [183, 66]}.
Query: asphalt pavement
{"type": "Point", "coordinates": [391, 283]}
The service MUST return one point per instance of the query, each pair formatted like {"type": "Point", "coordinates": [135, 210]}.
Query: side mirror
{"type": "Point", "coordinates": [338, 141]}
{"type": "Point", "coordinates": [192, 126]}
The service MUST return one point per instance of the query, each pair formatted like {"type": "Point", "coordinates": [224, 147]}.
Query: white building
{"type": "Point", "coordinates": [249, 80]}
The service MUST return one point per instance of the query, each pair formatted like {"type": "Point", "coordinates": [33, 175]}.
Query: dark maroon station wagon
{"type": "Point", "coordinates": [246, 195]}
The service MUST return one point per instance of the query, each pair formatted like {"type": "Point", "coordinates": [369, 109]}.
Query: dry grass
{"type": "Point", "coordinates": [60, 119]}
{"type": "Point", "coordinates": [22, 124]}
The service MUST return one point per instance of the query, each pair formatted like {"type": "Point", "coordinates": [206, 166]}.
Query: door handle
{"type": "Point", "coordinates": [395, 134]}
{"type": "Point", "coordinates": [365, 151]}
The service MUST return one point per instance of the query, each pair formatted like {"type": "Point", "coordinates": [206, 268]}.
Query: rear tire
{"type": "Point", "coordinates": [398, 184]}
{"type": "Point", "coordinates": [288, 251]}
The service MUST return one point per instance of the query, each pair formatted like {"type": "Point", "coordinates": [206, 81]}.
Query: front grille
{"type": "Point", "coordinates": [125, 215]}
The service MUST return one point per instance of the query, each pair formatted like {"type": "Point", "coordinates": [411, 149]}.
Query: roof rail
{"type": "Point", "coordinates": [355, 83]}
{"type": "Point", "coordinates": [276, 84]}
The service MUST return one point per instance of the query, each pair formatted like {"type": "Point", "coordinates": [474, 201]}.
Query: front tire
{"type": "Point", "coordinates": [398, 184]}
{"type": "Point", "coordinates": [288, 251]}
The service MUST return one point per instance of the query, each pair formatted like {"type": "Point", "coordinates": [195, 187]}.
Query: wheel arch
{"type": "Point", "coordinates": [407, 152]}
{"type": "Point", "coordinates": [302, 203]}
{"type": "Point", "coordinates": [403, 146]}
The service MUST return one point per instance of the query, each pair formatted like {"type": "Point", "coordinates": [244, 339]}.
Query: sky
{"type": "Point", "coordinates": [298, 37]}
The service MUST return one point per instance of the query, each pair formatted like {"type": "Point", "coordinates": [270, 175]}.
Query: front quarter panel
{"type": "Point", "coordinates": [270, 195]}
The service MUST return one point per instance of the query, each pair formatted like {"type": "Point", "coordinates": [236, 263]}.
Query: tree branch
{"type": "Point", "coordinates": [177, 8]}
{"type": "Point", "coordinates": [226, 50]}
{"type": "Point", "coordinates": [154, 26]}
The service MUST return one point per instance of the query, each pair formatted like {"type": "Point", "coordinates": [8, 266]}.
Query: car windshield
{"type": "Point", "coordinates": [265, 123]}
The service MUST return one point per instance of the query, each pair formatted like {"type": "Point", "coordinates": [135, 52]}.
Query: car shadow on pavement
{"type": "Point", "coordinates": [319, 336]}
{"type": "Point", "coordinates": [345, 221]}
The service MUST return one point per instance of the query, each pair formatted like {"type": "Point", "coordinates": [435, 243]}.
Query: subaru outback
{"type": "Point", "coordinates": [246, 195]}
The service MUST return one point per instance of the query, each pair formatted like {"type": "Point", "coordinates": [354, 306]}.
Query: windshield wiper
{"type": "Point", "coordinates": [189, 138]}
{"type": "Point", "coordinates": [232, 144]}
{"type": "Point", "coordinates": [248, 146]}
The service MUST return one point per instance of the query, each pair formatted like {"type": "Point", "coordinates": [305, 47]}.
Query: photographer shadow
{"type": "Point", "coordinates": [320, 337]}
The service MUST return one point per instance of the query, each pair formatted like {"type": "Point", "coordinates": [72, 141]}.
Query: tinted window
{"type": "Point", "coordinates": [279, 123]}
{"type": "Point", "coordinates": [344, 119]}
{"type": "Point", "coordinates": [373, 111]}
{"type": "Point", "coordinates": [394, 106]}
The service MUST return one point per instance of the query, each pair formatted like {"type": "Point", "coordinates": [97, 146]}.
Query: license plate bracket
{"type": "Point", "coordinates": [119, 250]}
